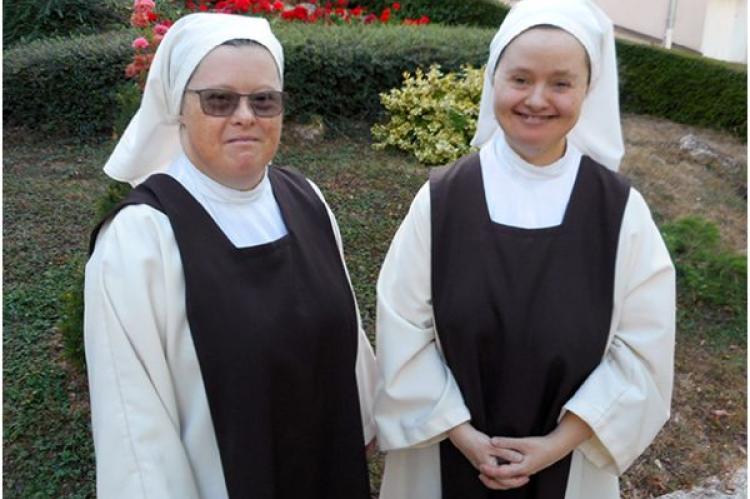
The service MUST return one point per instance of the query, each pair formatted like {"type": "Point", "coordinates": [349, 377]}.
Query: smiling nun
{"type": "Point", "coordinates": [224, 348]}
{"type": "Point", "coordinates": [526, 307]}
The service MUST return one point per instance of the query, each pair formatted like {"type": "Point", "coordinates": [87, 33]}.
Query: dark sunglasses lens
{"type": "Point", "coordinates": [218, 102]}
{"type": "Point", "coordinates": [267, 104]}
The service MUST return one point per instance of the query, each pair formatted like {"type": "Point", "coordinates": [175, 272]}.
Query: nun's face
{"type": "Point", "coordinates": [539, 87]}
{"type": "Point", "coordinates": [234, 149]}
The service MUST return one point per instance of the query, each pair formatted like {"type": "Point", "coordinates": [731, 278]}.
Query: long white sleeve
{"type": "Point", "coordinates": [366, 367]}
{"type": "Point", "coordinates": [418, 400]}
{"type": "Point", "coordinates": [626, 399]}
{"type": "Point", "coordinates": [136, 426]}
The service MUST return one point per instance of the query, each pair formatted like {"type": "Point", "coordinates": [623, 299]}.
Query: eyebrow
{"type": "Point", "coordinates": [560, 72]}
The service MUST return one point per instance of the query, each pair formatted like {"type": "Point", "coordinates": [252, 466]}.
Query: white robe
{"type": "Point", "coordinates": [625, 400]}
{"type": "Point", "coordinates": [153, 433]}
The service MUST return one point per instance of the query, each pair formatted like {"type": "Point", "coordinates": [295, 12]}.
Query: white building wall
{"type": "Point", "coordinates": [689, 23]}
{"type": "Point", "coordinates": [725, 34]}
{"type": "Point", "coordinates": [714, 28]}
{"type": "Point", "coordinates": [647, 17]}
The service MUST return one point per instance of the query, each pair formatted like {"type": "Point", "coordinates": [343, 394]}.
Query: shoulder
{"type": "Point", "coordinates": [444, 173]}
{"type": "Point", "coordinates": [136, 232]}
{"type": "Point", "coordinates": [611, 179]}
{"type": "Point", "coordinates": [637, 213]}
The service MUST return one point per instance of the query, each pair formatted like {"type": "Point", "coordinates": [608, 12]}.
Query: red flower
{"type": "Point", "coordinates": [342, 3]}
{"type": "Point", "coordinates": [278, 5]}
{"type": "Point", "coordinates": [203, 7]}
{"type": "Point", "coordinates": [152, 17]}
{"type": "Point", "coordinates": [396, 6]}
{"type": "Point", "coordinates": [370, 18]}
{"type": "Point", "coordinates": [356, 11]}
{"type": "Point", "coordinates": [385, 15]}
{"type": "Point", "coordinates": [424, 20]}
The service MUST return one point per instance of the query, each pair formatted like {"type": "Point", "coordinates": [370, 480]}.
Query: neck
{"type": "Point", "coordinates": [538, 156]}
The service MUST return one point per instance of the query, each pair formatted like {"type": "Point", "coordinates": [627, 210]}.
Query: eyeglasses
{"type": "Point", "coordinates": [218, 102]}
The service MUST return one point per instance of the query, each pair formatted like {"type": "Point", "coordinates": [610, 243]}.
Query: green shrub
{"type": "Point", "coordinates": [70, 324]}
{"type": "Point", "coordinates": [338, 71]}
{"type": "Point", "coordinates": [334, 72]}
{"type": "Point", "coordinates": [706, 274]}
{"type": "Point", "coordinates": [433, 115]}
{"type": "Point", "coordinates": [127, 101]}
{"type": "Point", "coordinates": [26, 20]}
{"type": "Point", "coordinates": [482, 13]}
{"type": "Point", "coordinates": [686, 89]}
{"type": "Point", "coordinates": [65, 85]}
{"type": "Point", "coordinates": [71, 302]}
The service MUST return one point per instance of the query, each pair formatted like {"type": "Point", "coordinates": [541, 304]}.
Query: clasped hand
{"type": "Point", "coordinates": [506, 463]}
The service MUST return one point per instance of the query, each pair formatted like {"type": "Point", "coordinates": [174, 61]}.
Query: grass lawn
{"type": "Point", "coordinates": [50, 188]}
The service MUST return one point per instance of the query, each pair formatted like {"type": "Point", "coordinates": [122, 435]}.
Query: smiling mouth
{"type": "Point", "coordinates": [534, 118]}
{"type": "Point", "coordinates": [242, 140]}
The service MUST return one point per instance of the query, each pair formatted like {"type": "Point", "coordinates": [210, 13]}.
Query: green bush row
{"type": "Point", "coordinates": [25, 20]}
{"type": "Point", "coordinates": [66, 85]}
{"type": "Point", "coordinates": [685, 89]}
{"type": "Point", "coordinates": [483, 13]}
{"type": "Point", "coordinates": [338, 71]}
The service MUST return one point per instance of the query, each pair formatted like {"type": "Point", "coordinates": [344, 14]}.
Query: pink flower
{"type": "Point", "coordinates": [160, 29]}
{"type": "Point", "coordinates": [143, 5]}
{"type": "Point", "coordinates": [370, 18]}
{"type": "Point", "coordinates": [131, 70]}
{"type": "Point", "coordinates": [140, 43]}
{"type": "Point", "coordinates": [139, 19]}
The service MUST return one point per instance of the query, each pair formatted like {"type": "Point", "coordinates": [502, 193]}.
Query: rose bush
{"type": "Point", "coordinates": [153, 21]}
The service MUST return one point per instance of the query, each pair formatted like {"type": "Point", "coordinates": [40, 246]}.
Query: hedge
{"type": "Point", "coordinates": [482, 13]}
{"type": "Point", "coordinates": [338, 71]}
{"type": "Point", "coordinates": [25, 20]}
{"type": "Point", "coordinates": [66, 84]}
{"type": "Point", "coordinates": [686, 89]}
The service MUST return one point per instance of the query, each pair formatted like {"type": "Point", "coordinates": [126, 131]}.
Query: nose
{"type": "Point", "coordinates": [244, 113]}
{"type": "Point", "coordinates": [536, 98]}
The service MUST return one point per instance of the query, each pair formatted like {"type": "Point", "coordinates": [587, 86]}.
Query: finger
{"type": "Point", "coordinates": [508, 443]}
{"type": "Point", "coordinates": [510, 483]}
{"type": "Point", "coordinates": [505, 456]}
{"type": "Point", "coordinates": [513, 483]}
{"type": "Point", "coordinates": [504, 471]}
{"type": "Point", "coordinates": [490, 483]}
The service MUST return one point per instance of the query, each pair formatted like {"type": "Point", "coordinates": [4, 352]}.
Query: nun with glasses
{"type": "Point", "coordinates": [526, 306]}
{"type": "Point", "coordinates": [224, 348]}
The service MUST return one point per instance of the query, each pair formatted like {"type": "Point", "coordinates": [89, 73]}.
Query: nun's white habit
{"type": "Point", "coordinates": [153, 431]}
{"type": "Point", "coordinates": [626, 398]}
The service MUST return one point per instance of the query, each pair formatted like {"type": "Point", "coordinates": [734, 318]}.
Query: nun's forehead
{"type": "Point", "coordinates": [543, 26]}
{"type": "Point", "coordinates": [239, 43]}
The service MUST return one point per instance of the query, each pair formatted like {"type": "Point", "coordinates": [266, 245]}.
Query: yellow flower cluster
{"type": "Point", "coordinates": [433, 115]}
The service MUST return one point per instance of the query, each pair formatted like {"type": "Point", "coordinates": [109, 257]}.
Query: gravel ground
{"type": "Point", "coordinates": [715, 488]}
